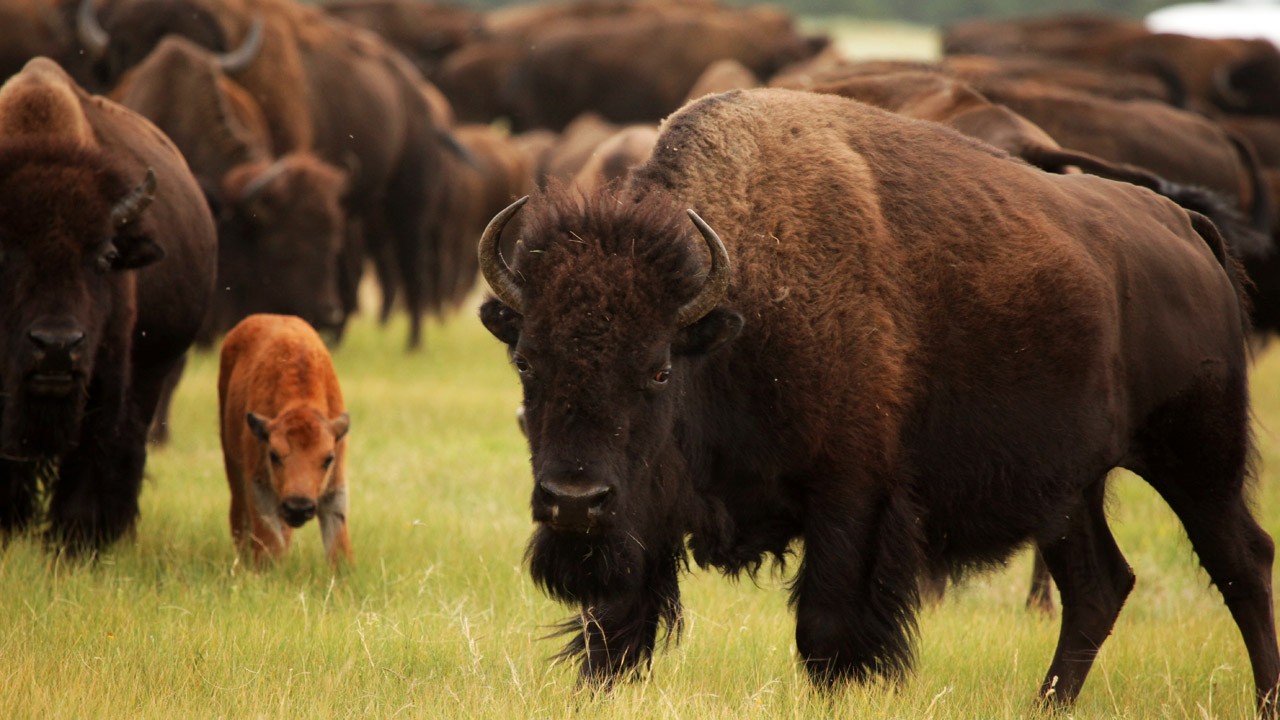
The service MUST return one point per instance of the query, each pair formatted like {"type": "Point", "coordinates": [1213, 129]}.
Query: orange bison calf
{"type": "Point", "coordinates": [283, 427]}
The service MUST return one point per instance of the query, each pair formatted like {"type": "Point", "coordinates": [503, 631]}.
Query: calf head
{"type": "Point", "coordinates": [300, 447]}
{"type": "Point", "coordinates": [70, 226]}
{"type": "Point", "coordinates": [607, 315]}
{"type": "Point", "coordinates": [282, 229]}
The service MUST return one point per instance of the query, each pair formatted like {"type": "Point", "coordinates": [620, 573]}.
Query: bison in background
{"type": "Point", "coordinates": [887, 341]}
{"type": "Point", "coordinates": [280, 219]}
{"type": "Point", "coordinates": [107, 254]}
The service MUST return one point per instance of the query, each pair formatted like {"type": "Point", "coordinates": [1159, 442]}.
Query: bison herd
{"type": "Point", "coordinates": [909, 314]}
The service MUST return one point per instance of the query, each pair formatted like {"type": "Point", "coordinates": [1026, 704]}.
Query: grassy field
{"type": "Point", "coordinates": [438, 619]}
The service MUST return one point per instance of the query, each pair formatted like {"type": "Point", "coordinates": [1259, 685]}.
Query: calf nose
{"type": "Point", "coordinates": [297, 510]}
{"type": "Point", "coordinates": [574, 505]}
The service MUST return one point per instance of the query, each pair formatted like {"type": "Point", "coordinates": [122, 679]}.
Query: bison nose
{"type": "Point", "coordinates": [574, 505]}
{"type": "Point", "coordinates": [297, 510]}
{"type": "Point", "coordinates": [56, 339]}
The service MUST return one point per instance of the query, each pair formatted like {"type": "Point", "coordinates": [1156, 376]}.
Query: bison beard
{"type": "Point", "coordinates": [35, 427]}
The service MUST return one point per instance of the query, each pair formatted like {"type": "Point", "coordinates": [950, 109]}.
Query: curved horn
{"type": "Point", "coordinates": [717, 284]}
{"type": "Point", "coordinates": [254, 187]}
{"type": "Point", "coordinates": [132, 205]}
{"type": "Point", "coordinates": [89, 31]}
{"type": "Point", "coordinates": [242, 57]}
{"type": "Point", "coordinates": [492, 265]}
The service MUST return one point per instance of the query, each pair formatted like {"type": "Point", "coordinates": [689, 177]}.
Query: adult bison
{"type": "Point", "coordinates": [91, 196]}
{"type": "Point", "coordinates": [907, 351]}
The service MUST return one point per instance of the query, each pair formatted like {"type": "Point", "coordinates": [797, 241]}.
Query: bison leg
{"type": "Point", "coordinates": [1040, 596]}
{"type": "Point", "coordinates": [1195, 454]}
{"type": "Point", "coordinates": [333, 526]}
{"type": "Point", "coordinates": [159, 434]}
{"type": "Point", "coordinates": [857, 593]}
{"type": "Point", "coordinates": [19, 497]}
{"type": "Point", "coordinates": [1094, 579]}
{"type": "Point", "coordinates": [1238, 556]}
{"type": "Point", "coordinates": [95, 498]}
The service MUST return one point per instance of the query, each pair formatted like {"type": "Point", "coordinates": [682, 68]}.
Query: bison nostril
{"type": "Point", "coordinates": [46, 339]}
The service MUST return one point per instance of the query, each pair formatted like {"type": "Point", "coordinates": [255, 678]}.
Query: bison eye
{"type": "Point", "coordinates": [522, 365]}
{"type": "Point", "coordinates": [660, 378]}
{"type": "Point", "coordinates": [107, 260]}
{"type": "Point", "coordinates": [275, 457]}
{"type": "Point", "coordinates": [328, 461]}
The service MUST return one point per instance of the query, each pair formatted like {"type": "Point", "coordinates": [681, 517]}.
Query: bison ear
{"type": "Point", "coordinates": [135, 251]}
{"type": "Point", "coordinates": [501, 320]}
{"type": "Point", "coordinates": [340, 425]}
{"type": "Point", "coordinates": [715, 329]}
{"type": "Point", "coordinates": [258, 425]}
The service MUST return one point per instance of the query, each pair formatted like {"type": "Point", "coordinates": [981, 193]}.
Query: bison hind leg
{"type": "Point", "coordinates": [1094, 580]}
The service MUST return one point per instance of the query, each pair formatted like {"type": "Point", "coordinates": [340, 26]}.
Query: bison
{"type": "Point", "coordinates": [107, 257]}
{"type": "Point", "coordinates": [887, 341]}
{"type": "Point", "coordinates": [284, 430]}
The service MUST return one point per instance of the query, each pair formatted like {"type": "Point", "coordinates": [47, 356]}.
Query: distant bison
{"type": "Point", "coordinates": [107, 260]}
{"type": "Point", "coordinates": [897, 345]}
{"type": "Point", "coordinates": [284, 430]}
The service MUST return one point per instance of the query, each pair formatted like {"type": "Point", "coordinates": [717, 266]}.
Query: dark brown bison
{"type": "Point", "coordinates": [897, 346]}
{"type": "Point", "coordinates": [280, 219]}
{"type": "Point", "coordinates": [107, 254]}
{"type": "Point", "coordinates": [34, 28]}
{"type": "Point", "coordinates": [639, 68]}
{"type": "Point", "coordinates": [424, 32]}
{"type": "Point", "coordinates": [337, 90]}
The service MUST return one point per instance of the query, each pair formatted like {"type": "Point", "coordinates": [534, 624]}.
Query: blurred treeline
{"type": "Point", "coordinates": [924, 11]}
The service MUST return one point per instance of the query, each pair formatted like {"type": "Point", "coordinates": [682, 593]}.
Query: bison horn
{"type": "Point", "coordinates": [89, 31]}
{"type": "Point", "coordinates": [493, 266]}
{"type": "Point", "coordinates": [254, 187]}
{"type": "Point", "coordinates": [717, 277]}
{"type": "Point", "coordinates": [132, 205]}
{"type": "Point", "coordinates": [242, 57]}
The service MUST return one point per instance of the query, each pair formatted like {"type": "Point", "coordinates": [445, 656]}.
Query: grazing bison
{"type": "Point", "coordinates": [284, 430]}
{"type": "Point", "coordinates": [107, 255]}
{"type": "Point", "coordinates": [897, 346]}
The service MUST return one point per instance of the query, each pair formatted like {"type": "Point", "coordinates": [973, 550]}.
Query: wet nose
{"type": "Point", "coordinates": [575, 505]}
{"type": "Point", "coordinates": [297, 510]}
{"type": "Point", "coordinates": [55, 339]}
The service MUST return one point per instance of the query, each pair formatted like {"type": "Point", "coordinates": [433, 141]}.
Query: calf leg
{"type": "Point", "coordinates": [333, 526]}
{"type": "Point", "coordinates": [858, 590]}
{"type": "Point", "coordinates": [1094, 580]}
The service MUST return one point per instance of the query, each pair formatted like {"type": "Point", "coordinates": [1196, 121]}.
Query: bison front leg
{"type": "Point", "coordinates": [19, 496]}
{"type": "Point", "coordinates": [95, 496]}
{"type": "Point", "coordinates": [858, 590]}
{"type": "Point", "coordinates": [333, 526]}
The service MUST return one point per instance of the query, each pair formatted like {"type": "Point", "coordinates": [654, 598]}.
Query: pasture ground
{"type": "Point", "coordinates": [438, 618]}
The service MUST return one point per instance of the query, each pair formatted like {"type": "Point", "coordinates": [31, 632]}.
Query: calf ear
{"type": "Point", "coordinates": [135, 251]}
{"type": "Point", "coordinates": [258, 425]}
{"type": "Point", "coordinates": [501, 320]}
{"type": "Point", "coordinates": [715, 329]}
{"type": "Point", "coordinates": [340, 425]}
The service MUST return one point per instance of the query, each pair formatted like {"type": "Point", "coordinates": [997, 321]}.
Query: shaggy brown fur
{"type": "Point", "coordinates": [927, 356]}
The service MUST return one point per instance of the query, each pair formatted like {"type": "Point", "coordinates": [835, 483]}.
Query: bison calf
{"type": "Point", "coordinates": [284, 430]}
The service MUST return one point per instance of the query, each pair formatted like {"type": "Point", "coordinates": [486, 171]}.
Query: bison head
{"type": "Point", "coordinates": [607, 315]}
{"type": "Point", "coordinates": [300, 448]}
{"type": "Point", "coordinates": [281, 229]}
{"type": "Point", "coordinates": [70, 225]}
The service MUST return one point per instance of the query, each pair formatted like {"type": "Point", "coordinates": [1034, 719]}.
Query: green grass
{"type": "Point", "coordinates": [437, 618]}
